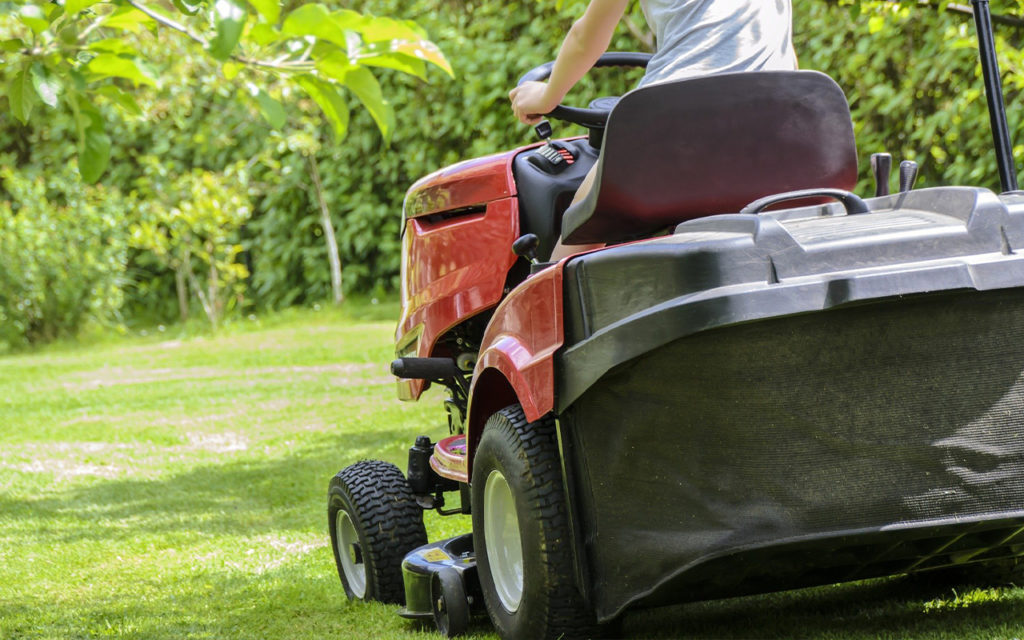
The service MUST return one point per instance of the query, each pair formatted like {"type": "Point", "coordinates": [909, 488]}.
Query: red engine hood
{"type": "Point", "coordinates": [465, 184]}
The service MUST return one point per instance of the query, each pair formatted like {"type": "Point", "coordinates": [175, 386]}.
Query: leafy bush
{"type": "Point", "coordinates": [913, 78]}
{"type": "Point", "coordinates": [910, 71]}
{"type": "Point", "coordinates": [438, 123]}
{"type": "Point", "coordinates": [62, 256]}
{"type": "Point", "coordinates": [189, 223]}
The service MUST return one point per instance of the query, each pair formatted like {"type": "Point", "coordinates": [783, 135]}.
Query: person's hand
{"type": "Point", "coordinates": [530, 102]}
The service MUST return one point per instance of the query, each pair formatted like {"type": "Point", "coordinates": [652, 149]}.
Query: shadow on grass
{"type": "Point", "coordinates": [900, 607]}
{"type": "Point", "coordinates": [242, 496]}
{"type": "Point", "coordinates": [302, 597]}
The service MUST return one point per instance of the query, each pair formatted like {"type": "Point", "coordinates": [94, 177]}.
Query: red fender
{"type": "Point", "coordinates": [516, 361]}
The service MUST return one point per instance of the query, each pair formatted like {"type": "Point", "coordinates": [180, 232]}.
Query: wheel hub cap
{"type": "Point", "coordinates": [504, 545]}
{"type": "Point", "coordinates": [351, 554]}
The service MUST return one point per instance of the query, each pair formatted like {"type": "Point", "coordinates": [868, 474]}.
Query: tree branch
{"type": "Point", "coordinates": [168, 22]}
{"type": "Point", "coordinates": [333, 259]}
{"type": "Point", "coordinates": [92, 27]}
{"type": "Point", "coordinates": [1010, 21]}
{"type": "Point", "coordinates": [298, 65]}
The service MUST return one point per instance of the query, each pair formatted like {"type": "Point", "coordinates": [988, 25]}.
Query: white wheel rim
{"type": "Point", "coordinates": [351, 554]}
{"type": "Point", "coordinates": [504, 546]}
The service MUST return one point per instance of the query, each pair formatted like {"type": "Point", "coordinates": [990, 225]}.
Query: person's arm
{"type": "Point", "coordinates": [587, 39]}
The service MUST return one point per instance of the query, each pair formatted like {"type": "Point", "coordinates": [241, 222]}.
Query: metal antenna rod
{"type": "Point", "coordinates": [994, 94]}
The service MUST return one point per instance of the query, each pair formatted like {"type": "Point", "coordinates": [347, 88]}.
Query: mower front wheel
{"type": "Point", "coordinates": [374, 521]}
{"type": "Point", "coordinates": [521, 532]}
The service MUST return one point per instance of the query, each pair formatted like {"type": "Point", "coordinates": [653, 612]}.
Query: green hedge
{"type": "Point", "coordinates": [911, 74]}
{"type": "Point", "coordinates": [490, 44]}
{"type": "Point", "coordinates": [910, 71]}
{"type": "Point", "coordinates": [62, 257]}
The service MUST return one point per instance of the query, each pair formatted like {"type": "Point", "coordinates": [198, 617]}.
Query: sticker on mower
{"type": "Point", "coordinates": [434, 555]}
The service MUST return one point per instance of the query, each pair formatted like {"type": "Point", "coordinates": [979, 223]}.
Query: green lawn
{"type": "Point", "coordinates": [175, 487]}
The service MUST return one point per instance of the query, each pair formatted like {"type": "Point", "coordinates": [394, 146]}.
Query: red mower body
{"type": "Point", "coordinates": [459, 225]}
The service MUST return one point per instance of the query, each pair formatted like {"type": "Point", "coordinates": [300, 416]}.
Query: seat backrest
{"type": "Point", "coordinates": [710, 145]}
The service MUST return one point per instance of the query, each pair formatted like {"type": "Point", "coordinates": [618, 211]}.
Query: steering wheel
{"type": "Point", "coordinates": [590, 118]}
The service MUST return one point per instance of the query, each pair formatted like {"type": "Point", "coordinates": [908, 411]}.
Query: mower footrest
{"type": "Point", "coordinates": [449, 459]}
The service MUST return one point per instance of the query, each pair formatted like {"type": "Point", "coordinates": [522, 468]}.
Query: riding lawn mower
{"type": "Point", "coordinates": [763, 381]}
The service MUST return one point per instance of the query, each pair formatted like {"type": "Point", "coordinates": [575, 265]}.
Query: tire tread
{"type": "Point", "coordinates": [567, 614]}
{"type": "Point", "coordinates": [387, 515]}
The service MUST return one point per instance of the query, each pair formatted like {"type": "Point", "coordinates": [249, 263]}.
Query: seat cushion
{"type": "Point", "coordinates": [710, 145]}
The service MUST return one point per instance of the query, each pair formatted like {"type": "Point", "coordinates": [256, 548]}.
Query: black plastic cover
{"type": "Point", "coordinates": [859, 441]}
{"type": "Point", "coordinates": [722, 270]}
{"type": "Point", "coordinates": [419, 565]}
{"type": "Point", "coordinates": [765, 402]}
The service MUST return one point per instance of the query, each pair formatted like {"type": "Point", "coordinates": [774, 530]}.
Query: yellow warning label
{"type": "Point", "coordinates": [435, 555]}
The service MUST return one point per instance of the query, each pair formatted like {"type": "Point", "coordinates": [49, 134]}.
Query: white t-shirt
{"type": "Point", "coordinates": [702, 37]}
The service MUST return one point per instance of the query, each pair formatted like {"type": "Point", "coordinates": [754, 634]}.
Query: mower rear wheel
{"type": "Point", "coordinates": [374, 521]}
{"type": "Point", "coordinates": [521, 532]}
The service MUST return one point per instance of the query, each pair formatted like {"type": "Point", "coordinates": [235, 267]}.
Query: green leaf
{"type": "Point", "coordinates": [94, 156]}
{"type": "Point", "coordinates": [121, 98]}
{"type": "Point", "coordinates": [108, 65]}
{"type": "Point", "coordinates": [264, 34]}
{"type": "Point", "coordinates": [78, 80]}
{"type": "Point", "coordinates": [315, 20]}
{"type": "Point", "coordinates": [186, 7]}
{"type": "Point", "coordinates": [381, 29]}
{"type": "Point", "coordinates": [271, 109]}
{"type": "Point", "coordinates": [12, 45]}
{"type": "Point", "coordinates": [330, 102]}
{"type": "Point", "coordinates": [269, 9]}
{"type": "Point", "coordinates": [332, 61]}
{"type": "Point", "coordinates": [53, 11]}
{"type": "Point", "coordinates": [231, 69]}
{"type": "Point", "coordinates": [21, 95]}
{"type": "Point", "coordinates": [422, 50]}
{"type": "Point", "coordinates": [113, 45]}
{"type": "Point", "coordinates": [399, 62]}
{"type": "Point", "coordinates": [68, 34]}
{"type": "Point", "coordinates": [230, 24]}
{"type": "Point", "coordinates": [362, 82]}
{"type": "Point", "coordinates": [71, 7]}
{"type": "Point", "coordinates": [127, 19]}
{"type": "Point", "coordinates": [93, 141]}
{"type": "Point", "coordinates": [47, 87]}
{"type": "Point", "coordinates": [34, 18]}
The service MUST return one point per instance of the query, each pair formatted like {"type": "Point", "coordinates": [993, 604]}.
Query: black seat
{"type": "Point", "coordinates": [710, 145]}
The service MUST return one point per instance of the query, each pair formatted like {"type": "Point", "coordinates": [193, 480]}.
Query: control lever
{"type": "Point", "coordinates": [553, 157]}
{"type": "Point", "coordinates": [908, 175]}
{"type": "Point", "coordinates": [526, 245]}
{"type": "Point", "coordinates": [881, 169]}
{"type": "Point", "coordinates": [543, 130]}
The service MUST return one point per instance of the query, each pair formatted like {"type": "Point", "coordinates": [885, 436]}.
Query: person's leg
{"type": "Point", "coordinates": [566, 250]}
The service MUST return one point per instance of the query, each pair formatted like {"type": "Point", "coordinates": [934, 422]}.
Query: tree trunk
{"type": "Point", "coordinates": [197, 288]}
{"type": "Point", "coordinates": [214, 288]}
{"type": "Point", "coordinates": [182, 286]}
{"type": "Point", "coordinates": [332, 244]}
